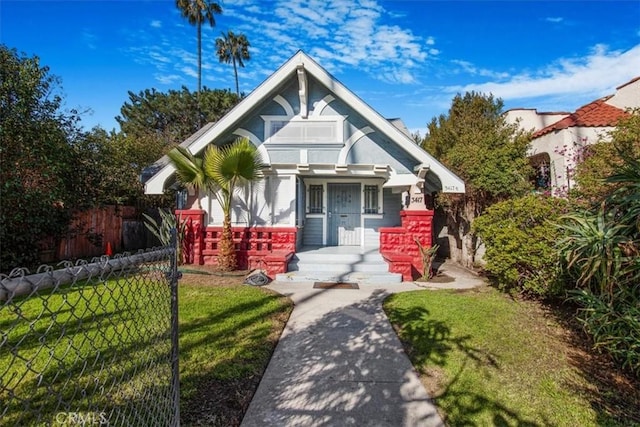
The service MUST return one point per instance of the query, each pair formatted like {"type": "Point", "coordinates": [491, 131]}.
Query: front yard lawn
{"type": "Point", "coordinates": [487, 359]}
{"type": "Point", "coordinates": [227, 334]}
{"type": "Point", "coordinates": [114, 334]}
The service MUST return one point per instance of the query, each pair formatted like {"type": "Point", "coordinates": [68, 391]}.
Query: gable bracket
{"type": "Point", "coordinates": [302, 90]}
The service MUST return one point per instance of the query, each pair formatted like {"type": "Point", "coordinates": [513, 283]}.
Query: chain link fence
{"type": "Point", "coordinates": [91, 344]}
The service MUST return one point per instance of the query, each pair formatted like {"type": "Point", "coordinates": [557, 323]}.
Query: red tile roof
{"type": "Point", "coordinates": [595, 114]}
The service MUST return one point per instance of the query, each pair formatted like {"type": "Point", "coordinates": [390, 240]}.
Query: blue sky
{"type": "Point", "coordinates": [406, 59]}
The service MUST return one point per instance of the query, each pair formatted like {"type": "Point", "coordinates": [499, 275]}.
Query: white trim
{"type": "Point", "coordinates": [262, 150]}
{"type": "Point", "coordinates": [288, 109]}
{"type": "Point", "coordinates": [450, 182]}
{"type": "Point", "coordinates": [402, 180]}
{"type": "Point", "coordinates": [357, 135]}
{"type": "Point", "coordinates": [321, 105]}
{"type": "Point", "coordinates": [336, 121]}
{"type": "Point", "coordinates": [302, 90]}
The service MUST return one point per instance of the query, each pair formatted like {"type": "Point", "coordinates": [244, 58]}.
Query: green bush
{"type": "Point", "coordinates": [519, 237]}
{"type": "Point", "coordinates": [614, 324]}
{"type": "Point", "coordinates": [600, 249]}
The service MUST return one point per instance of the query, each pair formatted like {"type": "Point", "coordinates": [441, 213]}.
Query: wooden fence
{"type": "Point", "coordinates": [98, 231]}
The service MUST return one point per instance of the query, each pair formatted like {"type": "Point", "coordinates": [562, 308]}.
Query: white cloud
{"type": "Point", "coordinates": [340, 33]}
{"type": "Point", "coordinates": [189, 71]}
{"type": "Point", "coordinates": [168, 79]}
{"type": "Point", "coordinates": [470, 68]}
{"type": "Point", "coordinates": [89, 39]}
{"type": "Point", "coordinates": [594, 75]}
{"type": "Point", "coordinates": [554, 20]}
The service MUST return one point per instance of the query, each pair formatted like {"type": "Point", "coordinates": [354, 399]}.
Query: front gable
{"type": "Point", "coordinates": [303, 119]}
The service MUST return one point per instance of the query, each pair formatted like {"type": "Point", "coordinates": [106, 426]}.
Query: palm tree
{"type": "Point", "coordinates": [230, 167]}
{"type": "Point", "coordinates": [235, 49]}
{"type": "Point", "coordinates": [198, 12]}
{"type": "Point", "coordinates": [222, 170]}
{"type": "Point", "coordinates": [190, 171]}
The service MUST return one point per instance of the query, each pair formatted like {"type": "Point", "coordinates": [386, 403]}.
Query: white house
{"type": "Point", "coordinates": [558, 138]}
{"type": "Point", "coordinates": [338, 173]}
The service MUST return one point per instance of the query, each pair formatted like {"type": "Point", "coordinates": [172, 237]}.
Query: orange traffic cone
{"type": "Point", "coordinates": [108, 252]}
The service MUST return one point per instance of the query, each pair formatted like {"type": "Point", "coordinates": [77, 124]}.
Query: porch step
{"type": "Point", "coordinates": [354, 266]}
{"type": "Point", "coordinates": [339, 276]}
{"type": "Point", "coordinates": [339, 264]}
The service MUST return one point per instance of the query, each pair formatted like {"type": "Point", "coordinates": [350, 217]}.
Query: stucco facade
{"type": "Point", "coordinates": [558, 138]}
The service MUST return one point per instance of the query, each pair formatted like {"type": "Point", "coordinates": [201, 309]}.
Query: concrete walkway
{"type": "Point", "coordinates": [339, 362]}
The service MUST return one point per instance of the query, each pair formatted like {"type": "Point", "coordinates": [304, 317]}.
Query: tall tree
{"type": "Point", "coordinates": [173, 116]}
{"type": "Point", "coordinates": [235, 49]}
{"type": "Point", "coordinates": [38, 187]}
{"type": "Point", "coordinates": [476, 142]}
{"type": "Point", "coordinates": [222, 170]}
{"type": "Point", "coordinates": [199, 12]}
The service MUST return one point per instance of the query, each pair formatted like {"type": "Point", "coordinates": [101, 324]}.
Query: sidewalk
{"type": "Point", "coordinates": [339, 362]}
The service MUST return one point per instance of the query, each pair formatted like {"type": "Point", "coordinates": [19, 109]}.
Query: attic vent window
{"type": "Point", "coordinates": [297, 131]}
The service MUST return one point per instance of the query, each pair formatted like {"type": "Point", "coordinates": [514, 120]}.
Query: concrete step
{"type": "Point", "coordinates": [344, 258]}
{"type": "Point", "coordinates": [339, 276]}
{"type": "Point", "coordinates": [324, 265]}
{"type": "Point", "coordinates": [339, 264]}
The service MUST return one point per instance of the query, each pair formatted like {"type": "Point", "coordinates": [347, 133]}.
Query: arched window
{"type": "Point", "coordinates": [541, 178]}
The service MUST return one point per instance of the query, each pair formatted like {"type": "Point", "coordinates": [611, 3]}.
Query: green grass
{"type": "Point", "coordinates": [105, 346]}
{"type": "Point", "coordinates": [227, 336]}
{"type": "Point", "coordinates": [490, 360]}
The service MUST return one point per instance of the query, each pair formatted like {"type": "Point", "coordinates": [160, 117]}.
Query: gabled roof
{"type": "Point", "coordinates": [628, 83]}
{"type": "Point", "coordinates": [595, 114]}
{"type": "Point", "coordinates": [450, 182]}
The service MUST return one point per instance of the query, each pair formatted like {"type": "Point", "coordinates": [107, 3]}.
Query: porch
{"type": "Point", "coordinates": [277, 250]}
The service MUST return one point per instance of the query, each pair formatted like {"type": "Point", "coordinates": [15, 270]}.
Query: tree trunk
{"type": "Point", "coordinates": [460, 216]}
{"type": "Point", "coordinates": [199, 58]}
{"type": "Point", "coordinates": [235, 73]}
{"type": "Point", "coordinates": [226, 247]}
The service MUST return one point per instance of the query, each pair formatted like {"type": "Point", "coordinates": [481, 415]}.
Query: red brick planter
{"type": "Point", "coordinates": [398, 247]}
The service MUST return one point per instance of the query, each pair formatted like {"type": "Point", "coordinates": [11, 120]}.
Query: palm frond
{"type": "Point", "coordinates": [189, 168]}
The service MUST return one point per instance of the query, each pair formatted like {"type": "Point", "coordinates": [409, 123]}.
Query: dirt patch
{"type": "Point", "coordinates": [220, 402]}
{"type": "Point", "coordinates": [438, 278]}
{"type": "Point", "coordinates": [614, 391]}
{"type": "Point", "coordinates": [208, 275]}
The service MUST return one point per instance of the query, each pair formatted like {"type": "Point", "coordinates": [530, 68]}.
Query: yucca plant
{"type": "Point", "coordinates": [592, 249]}
{"type": "Point", "coordinates": [162, 229]}
{"type": "Point", "coordinates": [602, 250]}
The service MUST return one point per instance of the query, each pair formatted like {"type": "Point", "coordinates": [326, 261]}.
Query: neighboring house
{"type": "Point", "coordinates": [338, 174]}
{"type": "Point", "coordinates": [559, 138]}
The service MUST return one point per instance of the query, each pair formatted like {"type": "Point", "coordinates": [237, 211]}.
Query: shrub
{"type": "Point", "coordinates": [601, 252]}
{"type": "Point", "coordinates": [519, 236]}
{"type": "Point", "coordinates": [614, 325]}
